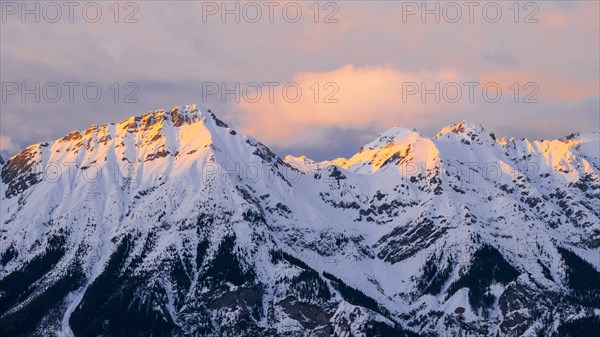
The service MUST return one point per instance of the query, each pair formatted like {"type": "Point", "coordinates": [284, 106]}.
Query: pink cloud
{"type": "Point", "coordinates": [549, 85]}
{"type": "Point", "coordinates": [366, 96]}
{"type": "Point", "coordinates": [7, 146]}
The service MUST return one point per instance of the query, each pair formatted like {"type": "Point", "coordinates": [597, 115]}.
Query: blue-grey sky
{"type": "Point", "coordinates": [362, 67]}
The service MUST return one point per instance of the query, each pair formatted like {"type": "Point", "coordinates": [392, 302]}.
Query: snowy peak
{"type": "Point", "coordinates": [389, 147]}
{"type": "Point", "coordinates": [396, 136]}
{"type": "Point", "coordinates": [303, 164]}
{"type": "Point", "coordinates": [176, 117]}
{"type": "Point", "coordinates": [590, 144]}
{"type": "Point", "coordinates": [153, 144]}
{"type": "Point", "coordinates": [469, 239]}
{"type": "Point", "coordinates": [583, 136]}
{"type": "Point", "coordinates": [153, 135]}
{"type": "Point", "coordinates": [465, 132]}
{"type": "Point", "coordinates": [463, 127]}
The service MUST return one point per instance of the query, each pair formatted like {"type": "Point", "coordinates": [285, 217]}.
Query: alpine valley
{"type": "Point", "coordinates": [173, 224]}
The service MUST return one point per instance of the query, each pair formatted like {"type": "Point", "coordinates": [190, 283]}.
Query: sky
{"type": "Point", "coordinates": [306, 78]}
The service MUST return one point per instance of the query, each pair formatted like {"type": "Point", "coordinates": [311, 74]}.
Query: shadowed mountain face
{"type": "Point", "coordinates": [173, 224]}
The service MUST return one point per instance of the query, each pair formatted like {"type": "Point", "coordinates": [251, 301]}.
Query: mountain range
{"type": "Point", "coordinates": [171, 223]}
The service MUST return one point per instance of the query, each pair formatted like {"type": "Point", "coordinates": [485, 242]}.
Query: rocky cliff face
{"type": "Point", "coordinates": [173, 224]}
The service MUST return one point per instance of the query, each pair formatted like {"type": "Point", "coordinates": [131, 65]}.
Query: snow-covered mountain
{"type": "Point", "coordinates": [173, 224]}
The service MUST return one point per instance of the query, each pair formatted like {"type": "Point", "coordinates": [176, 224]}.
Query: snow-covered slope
{"type": "Point", "coordinates": [172, 223]}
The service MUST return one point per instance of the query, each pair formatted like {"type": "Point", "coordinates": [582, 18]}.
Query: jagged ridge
{"type": "Point", "coordinates": [192, 228]}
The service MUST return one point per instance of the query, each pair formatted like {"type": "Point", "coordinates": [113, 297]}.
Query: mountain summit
{"type": "Point", "coordinates": [465, 132]}
{"type": "Point", "coordinates": [173, 224]}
